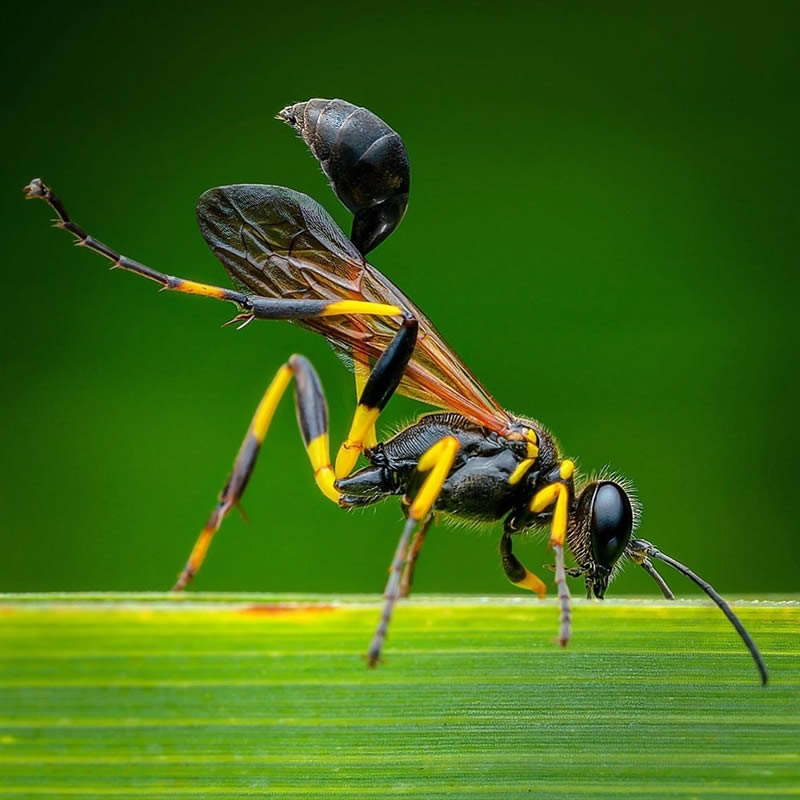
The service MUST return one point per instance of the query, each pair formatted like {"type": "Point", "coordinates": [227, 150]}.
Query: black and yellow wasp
{"type": "Point", "coordinates": [471, 459]}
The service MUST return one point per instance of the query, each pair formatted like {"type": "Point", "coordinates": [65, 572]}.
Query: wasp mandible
{"type": "Point", "coordinates": [471, 459]}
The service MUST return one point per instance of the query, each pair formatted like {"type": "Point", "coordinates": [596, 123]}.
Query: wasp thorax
{"type": "Point", "coordinates": [364, 159]}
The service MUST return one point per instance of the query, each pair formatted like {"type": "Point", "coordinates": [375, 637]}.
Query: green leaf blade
{"type": "Point", "coordinates": [269, 697]}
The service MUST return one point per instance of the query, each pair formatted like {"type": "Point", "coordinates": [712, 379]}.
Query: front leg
{"type": "Point", "coordinates": [557, 496]}
{"type": "Point", "coordinates": [516, 571]}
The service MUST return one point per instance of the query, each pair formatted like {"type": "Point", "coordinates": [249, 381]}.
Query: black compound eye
{"type": "Point", "coordinates": [611, 522]}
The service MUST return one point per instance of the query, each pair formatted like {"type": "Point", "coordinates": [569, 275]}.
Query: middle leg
{"type": "Point", "coordinates": [413, 555]}
{"type": "Point", "coordinates": [435, 465]}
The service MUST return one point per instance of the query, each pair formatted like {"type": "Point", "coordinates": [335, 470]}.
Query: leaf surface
{"type": "Point", "coordinates": [267, 696]}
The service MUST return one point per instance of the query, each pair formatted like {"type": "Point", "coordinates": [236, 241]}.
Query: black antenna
{"type": "Point", "coordinates": [654, 552]}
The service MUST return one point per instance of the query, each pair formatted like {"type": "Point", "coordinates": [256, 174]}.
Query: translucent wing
{"type": "Point", "coordinates": [276, 242]}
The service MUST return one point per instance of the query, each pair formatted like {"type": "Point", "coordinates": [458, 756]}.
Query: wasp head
{"type": "Point", "coordinates": [606, 513]}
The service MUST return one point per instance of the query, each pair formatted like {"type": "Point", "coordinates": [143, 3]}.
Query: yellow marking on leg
{"type": "Point", "coordinates": [198, 554]}
{"type": "Point", "coordinates": [361, 372]}
{"type": "Point", "coordinates": [438, 459]}
{"type": "Point", "coordinates": [200, 549]}
{"type": "Point", "coordinates": [533, 444]}
{"type": "Point", "coordinates": [558, 530]}
{"type": "Point", "coordinates": [431, 456]}
{"type": "Point", "coordinates": [360, 307]}
{"type": "Point", "coordinates": [544, 498]}
{"type": "Point", "coordinates": [555, 493]}
{"type": "Point", "coordinates": [521, 471]}
{"type": "Point", "coordinates": [533, 583]}
{"type": "Point", "coordinates": [325, 480]}
{"type": "Point", "coordinates": [363, 423]}
{"type": "Point", "coordinates": [203, 289]}
{"type": "Point", "coordinates": [319, 454]}
{"type": "Point", "coordinates": [266, 408]}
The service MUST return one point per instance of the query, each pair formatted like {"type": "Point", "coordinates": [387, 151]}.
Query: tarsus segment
{"type": "Point", "coordinates": [565, 603]}
{"type": "Point", "coordinates": [37, 189]}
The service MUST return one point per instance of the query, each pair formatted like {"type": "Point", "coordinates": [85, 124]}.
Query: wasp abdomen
{"type": "Point", "coordinates": [364, 159]}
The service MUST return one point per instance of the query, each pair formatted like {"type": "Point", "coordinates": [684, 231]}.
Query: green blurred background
{"type": "Point", "coordinates": [603, 223]}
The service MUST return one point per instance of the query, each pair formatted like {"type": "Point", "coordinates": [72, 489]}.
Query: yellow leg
{"type": "Point", "coordinates": [370, 438]}
{"type": "Point", "coordinates": [555, 494]}
{"type": "Point", "coordinates": [361, 429]}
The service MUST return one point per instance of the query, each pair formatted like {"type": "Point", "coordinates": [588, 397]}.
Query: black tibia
{"type": "Point", "coordinates": [240, 474]}
{"type": "Point", "coordinates": [364, 159]}
{"type": "Point", "coordinates": [388, 371]}
{"type": "Point", "coordinates": [272, 308]}
{"type": "Point", "coordinates": [512, 566]}
{"type": "Point", "coordinates": [255, 307]}
{"type": "Point", "coordinates": [312, 410]}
